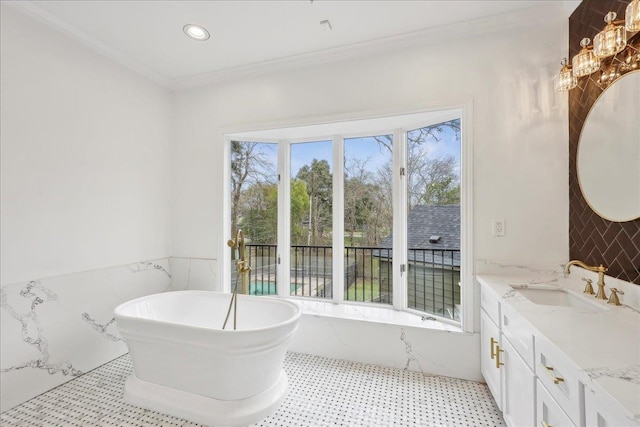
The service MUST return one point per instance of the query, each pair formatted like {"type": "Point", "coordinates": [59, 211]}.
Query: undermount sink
{"type": "Point", "coordinates": [556, 297]}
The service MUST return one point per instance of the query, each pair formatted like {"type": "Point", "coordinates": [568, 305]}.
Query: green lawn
{"type": "Point", "coordinates": [356, 290]}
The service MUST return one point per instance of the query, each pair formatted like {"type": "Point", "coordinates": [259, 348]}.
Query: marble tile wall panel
{"type": "Point", "coordinates": [489, 267]}
{"type": "Point", "coordinates": [194, 274]}
{"type": "Point", "coordinates": [57, 328]}
{"type": "Point", "coordinates": [425, 350]}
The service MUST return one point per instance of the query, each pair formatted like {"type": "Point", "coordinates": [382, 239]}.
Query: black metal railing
{"type": "Point", "coordinates": [312, 271]}
{"type": "Point", "coordinates": [432, 275]}
{"type": "Point", "coordinates": [368, 274]}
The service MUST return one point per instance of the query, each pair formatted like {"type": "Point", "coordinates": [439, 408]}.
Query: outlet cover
{"type": "Point", "coordinates": [499, 228]}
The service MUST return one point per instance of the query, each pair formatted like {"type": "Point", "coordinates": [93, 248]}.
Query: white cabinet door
{"type": "Point", "coordinates": [518, 387]}
{"type": "Point", "coordinates": [605, 414]}
{"type": "Point", "coordinates": [489, 342]}
{"type": "Point", "coordinates": [548, 412]}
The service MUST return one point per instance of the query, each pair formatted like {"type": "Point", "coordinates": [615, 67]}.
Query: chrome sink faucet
{"type": "Point", "coordinates": [599, 269]}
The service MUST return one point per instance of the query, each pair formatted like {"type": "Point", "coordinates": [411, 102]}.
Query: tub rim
{"type": "Point", "coordinates": [292, 320]}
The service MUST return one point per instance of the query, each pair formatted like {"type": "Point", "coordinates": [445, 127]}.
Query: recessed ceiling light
{"type": "Point", "coordinates": [196, 32]}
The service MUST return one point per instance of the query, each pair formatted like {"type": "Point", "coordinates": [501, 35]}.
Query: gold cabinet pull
{"type": "Point", "coordinates": [498, 351]}
{"type": "Point", "coordinates": [493, 350]}
{"type": "Point", "coordinates": [544, 424]}
{"type": "Point", "coordinates": [556, 380]}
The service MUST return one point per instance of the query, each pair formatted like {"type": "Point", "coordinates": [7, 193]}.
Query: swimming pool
{"type": "Point", "coordinates": [266, 288]}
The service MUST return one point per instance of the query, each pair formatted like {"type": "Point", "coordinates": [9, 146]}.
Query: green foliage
{"type": "Point", "coordinates": [250, 167]}
{"type": "Point", "coordinates": [260, 214]}
{"type": "Point", "coordinates": [319, 181]}
{"type": "Point", "coordinates": [442, 192]}
{"type": "Point", "coordinates": [299, 209]}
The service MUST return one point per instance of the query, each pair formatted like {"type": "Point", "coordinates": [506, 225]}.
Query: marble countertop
{"type": "Point", "coordinates": [602, 340]}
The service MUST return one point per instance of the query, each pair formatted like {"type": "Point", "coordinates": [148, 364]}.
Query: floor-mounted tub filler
{"type": "Point", "coordinates": [187, 366]}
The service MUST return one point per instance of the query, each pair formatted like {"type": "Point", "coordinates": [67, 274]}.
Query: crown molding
{"type": "Point", "coordinates": [36, 12]}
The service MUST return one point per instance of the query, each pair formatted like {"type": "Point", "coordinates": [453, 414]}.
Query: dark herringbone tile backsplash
{"type": "Point", "coordinates": [592, 239]}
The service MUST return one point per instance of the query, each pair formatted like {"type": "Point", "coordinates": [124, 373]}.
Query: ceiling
{"type": "Point", "coordinates": [147, 35]}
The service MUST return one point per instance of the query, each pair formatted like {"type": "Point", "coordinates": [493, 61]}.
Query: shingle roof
{"type": "Point", "coordinates": [426, 221]}
{"type": "Point", "coordinates": [423, 222]}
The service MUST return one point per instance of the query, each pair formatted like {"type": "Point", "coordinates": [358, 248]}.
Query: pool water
{"type": "Point", "coordinates": [266, 288]}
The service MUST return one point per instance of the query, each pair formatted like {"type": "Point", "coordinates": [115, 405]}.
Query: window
{"type": "Point", "coordinates": [254, 209]}
{"type": "Point", "coordinates": [433, 219]}
{"type": "Point", "coordinates": [370, 214]}
{"type": "Point", "coordinates": [311, 213]}
{"type": "Point", "coordinates": [368, 219]}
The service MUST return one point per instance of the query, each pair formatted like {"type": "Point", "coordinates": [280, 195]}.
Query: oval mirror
{"type": "Point", "coordinates": [608, 161]}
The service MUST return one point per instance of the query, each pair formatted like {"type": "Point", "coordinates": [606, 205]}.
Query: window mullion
{"type": "Point", "coordinates": [338, 220]}
{"type": "Point", "coordinates": [466, 223]}
{"type": "Point", "coordinates": [399, 221]}
{"type": "Point", "coordinates": [284, 219]}
{"type": "Point", "coordinates": [227, 265]}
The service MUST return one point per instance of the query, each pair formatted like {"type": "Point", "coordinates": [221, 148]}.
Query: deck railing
{"type": "Point", "coordinates": [432, 275]}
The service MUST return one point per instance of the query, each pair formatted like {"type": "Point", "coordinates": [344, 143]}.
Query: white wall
{"type": "Point", "coordinates": [85, 157]}
{"type": "Point", "coordinates": [519, 130]}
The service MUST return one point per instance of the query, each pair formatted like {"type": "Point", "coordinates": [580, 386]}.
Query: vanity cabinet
{"type": "Point", "coordinates": [532, 378]}
{"type": "Point", "coordinates": [509, 377]}
{"type": "Point", "coordinates": [548, 366]}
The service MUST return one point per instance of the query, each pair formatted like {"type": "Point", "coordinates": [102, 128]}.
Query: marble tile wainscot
{"type": "Point", "coordinates": [596, 350]}
{"type": "Point", "coordinates": [386, 337]}
{"type": "Point", "coordinates": [55, 329]}
{"type": "Point", "coordinates": [194, 274]}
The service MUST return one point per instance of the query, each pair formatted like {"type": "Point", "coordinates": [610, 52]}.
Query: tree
{"type": "Point", "coordinates": [319, 182]}
{"type": "Point", "coordinates": [441, 183]}
{"type": "Point", "coordinates": [250, 165]}
{"type": "Point", "coordinates": [430, 180]}
{"type": "Point", "coordinates": [299, 208]}
{"type": "Point", "coordinates": [259, 209]}
{"type": "Point", "coordinates": [366, 218]}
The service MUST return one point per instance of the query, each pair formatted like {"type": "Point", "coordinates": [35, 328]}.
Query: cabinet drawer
{"type": "Point", "coordinates": [490, 303]}
{"type": "Point", "coordinates": [548, 412]}
{"type": "Point", "coordinates": [601, 412]}
{"type": "Point", "coordinates": [559, 377]}
{"type": "Point", "coordinates": [519, 333]}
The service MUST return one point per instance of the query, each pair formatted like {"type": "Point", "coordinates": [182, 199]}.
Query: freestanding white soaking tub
{"type": "Point", "coordinates": [187, 366]}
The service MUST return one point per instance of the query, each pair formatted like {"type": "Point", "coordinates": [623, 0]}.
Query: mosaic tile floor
{"type": "Point", "coordinates": [322, 392]}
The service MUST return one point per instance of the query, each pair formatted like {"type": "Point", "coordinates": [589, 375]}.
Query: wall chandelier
{"type": "Point", "coordinates": [613, 52]}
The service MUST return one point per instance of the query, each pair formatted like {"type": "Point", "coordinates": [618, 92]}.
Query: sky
{"type": "Point", "coordinates": [362, 149]}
